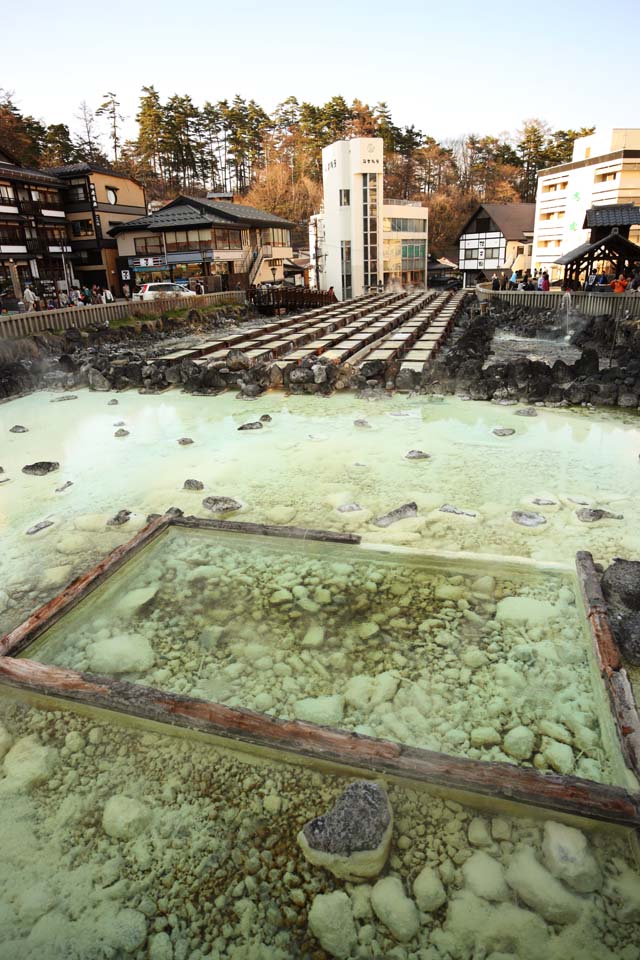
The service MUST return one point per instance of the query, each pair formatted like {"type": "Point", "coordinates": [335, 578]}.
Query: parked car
{"type": "Point", "coordinates": [157, 291]}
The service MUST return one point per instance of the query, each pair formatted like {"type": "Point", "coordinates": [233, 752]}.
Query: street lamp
{"type": "Point", "coordinates": [274, 270]}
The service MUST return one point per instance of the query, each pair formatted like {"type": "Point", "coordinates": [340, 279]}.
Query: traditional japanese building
{"type": "Point", "coordinates": [228, 246]}
{"type": "Point", "coordinates": [496, 238]}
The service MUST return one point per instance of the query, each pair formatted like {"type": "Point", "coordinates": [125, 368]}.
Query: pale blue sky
{"type": "Point", "coordinates": [447, 67]}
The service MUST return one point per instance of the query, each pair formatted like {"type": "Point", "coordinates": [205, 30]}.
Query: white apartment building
{"type": "Point", "coordinates": [360, 241]}
{"type": "Point", "coordinates": [604, 169]}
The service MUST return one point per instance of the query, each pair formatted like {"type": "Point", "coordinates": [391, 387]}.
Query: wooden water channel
{"type": "Point", "coordinates": [564, 794]}
{"type": "Point", "coordinates": [404, 329]}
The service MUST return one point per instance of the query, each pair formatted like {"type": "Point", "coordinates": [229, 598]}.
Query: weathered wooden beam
{"type": "Point", "coordinates": [568, 795]}
{"type": "Point", "coordinates": [266, 530]}
{"type": "Point", "coordinates": [49, 613]}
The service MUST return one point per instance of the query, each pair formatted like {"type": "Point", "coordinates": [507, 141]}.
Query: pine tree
{"type": "Point", "coordinates": [109, 109]}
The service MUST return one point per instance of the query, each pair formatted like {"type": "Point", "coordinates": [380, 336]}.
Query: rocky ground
{"type": "Point", "coordinates": [123, 843]}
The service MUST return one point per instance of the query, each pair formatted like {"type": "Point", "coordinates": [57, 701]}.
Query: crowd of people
{"type": "Point", "coordinates": [623, 283]}
{"type": "Point", "coordinates": [83, 296]}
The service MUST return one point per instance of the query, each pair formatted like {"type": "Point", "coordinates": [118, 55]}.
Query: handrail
{"type": "Point", "coordinates": [589, 303]}
{"type": "Point", "coordinates": [38, 321]}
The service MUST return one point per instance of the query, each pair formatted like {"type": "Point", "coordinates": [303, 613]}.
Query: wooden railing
{"type": "Point", "coordinates": [617, 305]}
{"type": "Point", "coordinates": [25, 324]}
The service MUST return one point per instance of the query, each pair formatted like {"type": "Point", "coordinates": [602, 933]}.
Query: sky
{"type": "Point", "coordinates": [449, 68]}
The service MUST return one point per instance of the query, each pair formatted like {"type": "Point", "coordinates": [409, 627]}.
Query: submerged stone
{"type": "Point", "coordinates": [124, 818]}
{"type": "Point", "coordinates": [252, 425]}
{"type": "Point", "coordinates": [540, 890]}
{"type": "Point", "coordinates": [503, 431]}
{"type": "Point", "coordinates": [184, 441]}
{"type": "Point", "coordinates": [121, 433]}
{"type": "Point", "coordinates": [398, 913]}
{"type": "Point", "coordinates": [349, 508]}
{"type": "Point", "coordinates": [326, 711]}
{"type": "Point", "coordinates": [621, 584]}
{"type": "Point", "coordinates": [485, 876]}
{"type": "Point", "coordinates": [121, 517]}
{"type": "Point", "coordinates": [525, 609]}
{"type": "Point", "coordinates": [193, 485]}
{"type": "Point", "coordinates": [449, 508]}
{"type": "Point", "coordinates": [526, 412]}
{"type": "Point", "coordinates": [362, 423]}
{"type": "Point", "coordinates": [592, 515]}
{"type": "Point", "coordinates": [41, 468]}
{"type": "Point", "coordinates": [417, 455]}
{"type": "Point", "coordinates": [18, 428]}
{"type": "Point", "coordinates": [527, 518]}
{"type": "Point", "coordinates": [352, 840]}
{"type": "Point", "coordinates": [519, 743]}
{"type": "Point", "coordinates": [69, 396]}
{"type": "Point", "coordinates": [65, 486]}
{"type": "Point", "coordinates": [331, 922]}
{"type": "Point", "coordinates": [400, 513]}
{"type": "Point", "coordinates": [428, 890]}
{"type": "Point", "coordinates": [27, 764]}
{"type": "Point", "coordinates": [567, 856]}
{"type": "Point", "coordinates": [122, 653]}
{"type": "Point", "coordinates": [221, 504]}
{"type": "Point", "coordinates": [37, 527]}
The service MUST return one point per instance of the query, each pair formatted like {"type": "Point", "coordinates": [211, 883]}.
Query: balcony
{"type": "Point", "coordinates": [35, 208]}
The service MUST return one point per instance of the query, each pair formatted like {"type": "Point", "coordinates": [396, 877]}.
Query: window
{"type": "Point", "coordinates": [77, 192]}
{"type": "Point", "coordinates": [404, 225]}
{"type": "Point", "coordinates": [112, 195]}
{"type": "Point", "coordinates": [7, 195]}
{"type": "Point", "coordinates": [345, 262]}
{"type": "Point", "coordinates": [555, 187]}
{"type": "Point", "coordinates": [553, 215]}
{"type": "Point", "coordinates": [277, 237]}
{"type": "Point", "coordinates": [606, 177]}
{"type": "Point", "coordinates": [492, 253]}
{"type": "Point", "coordinates": [370, 228]}
{"type": "Point", "coordinates": [148, 246]}
{"type": "Point", "coordinates": [345, 198]}
{"type": "Point", "coordinates": [56, 236]}
{"type": "Point", "coordinates": [470, 254]}
{"type": "Point", "coordinates": [482, 225]}
{"type": "Point", "coordinates": [82, 228]}
{"type": "Point", "coordinates": [227, 239]}
{"type": "Point", "coordinates": [11, 233]}
{"type": "Point", "coordinates": [181, 240]}
{"type": "Point", "coordinates": [413, 254]}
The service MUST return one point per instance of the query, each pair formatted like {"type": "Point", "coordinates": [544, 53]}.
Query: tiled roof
{"type": "Point", "coordinates": [170, 218]}
{"type": "Point", "coordinates": [242, 211]}
{"type": "Point", "coordinates": [73, 169]}
{"type": "Point", "coordinates": [513, 220]}
{"type": "Point", "coordinates": [614, 242]}
{"type": "Point", "coordinates": [28, 173]}
{"type": "Point", "coordinates": [612, 215]}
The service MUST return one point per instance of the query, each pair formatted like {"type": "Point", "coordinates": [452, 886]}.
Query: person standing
{"type": "Point", "coordinates": [29, 298]}
{"type": "Point", "coordinates": [619, 285]}
{"type": "Point", "coordinates": [545, 282]}
{"type": "Point", "coordinates": [126, 291]}
{"type": "Point", "coordinates": [495, 282]}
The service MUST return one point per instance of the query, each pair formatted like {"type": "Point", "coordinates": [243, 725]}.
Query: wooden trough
{"type": "Point", "coordinates": [564, 794]}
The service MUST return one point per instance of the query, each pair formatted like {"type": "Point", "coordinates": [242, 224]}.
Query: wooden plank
{"type": "Point", "coordinates": [566, 794]}
{"type": "Point", "coordinates": [267, 530]}
{"type": "Point", "coordinates": [49, 613]}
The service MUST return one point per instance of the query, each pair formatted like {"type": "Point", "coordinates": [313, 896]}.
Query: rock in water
{"type": "Point", "coordinates": [97, 380]}
{"type": "Point", "coordinates": [528, 519]}
{"type": "Point", "coordinates": [592, 515]}
{"type": "Point", "coordinates": [122, 516]}
{"type": "Point", "coordinates": [112, 403]}
{"type": "Point", "coordinates": [331, 922]}
{"type": "Point", "coordinates": [352, 841]}
{"type": "Point", "coordinates": [36, 528]}
{"type": "Point", "coordinates": [540, 890]}
{"type": "Point", "coordinates": [121, 433]}
{"type": "Point", "coordinates": [526, 412]}
{"type": "Point", "coordinates": [193, 485]}
{"type": "Point", "coordinates": [621, 584]}
{"type": "Point", "coordinates": [237, 360]}
{"type": "Point", "coordinates": [27, 764]}
{"type": "Point", "coordinates": [185, 441]}
{"type": "Point", "coordinates": [18, 429]}
{"type": "Point", "coordinates": [567, 856]}
{"type": "Point", "coordinates": [448, 508]}
{"type": "Point", "coordinates": [504, 431]}
{"type": "Point", "coordinates": [124, 818]}
{"type": "Point", "coordinates": [627, 630]}
{"type": "Point", "coordinates": [544, 502]}
{"type": "Point", "coordinates": [265, 418]}
{"type": "Point", "coordinates": [123, 653]}
{"type": "Point", "coordinates": [252, 425]}
{"type": "Point", "coordinates": [362, 423]}
{"type": "Point", "coordinates": [41, 468]}
{"type": "Point", "coordinates": [65, 486]}
{"type": "Point", "coordinates": [400, 513]}
{"type": "Point", "coordinates": [221, 504]}
{"type": "Point", "coordinates": [417, 455]}
{"type": "Point", "coordinates": [349, 508]}
{"type": "Point", "coordinates": [70, 396]}
{"type": "Point", "coordinates": [428, 890]}
{"type": "Point", "coordinates": [395, 909]}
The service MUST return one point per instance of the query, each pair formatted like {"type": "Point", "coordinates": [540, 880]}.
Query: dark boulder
{"type": "Point", "coordinates": [621, 584]}
{"type": "Point", "coordinates": [41, 468]}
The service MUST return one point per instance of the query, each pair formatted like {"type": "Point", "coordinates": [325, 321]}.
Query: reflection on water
{"type": "Point", "coordinates": [309, 461]}
{"type": "Point", "coordinates": [487, 662]}
{"type": "Point", "coordinates": [121, 842]}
